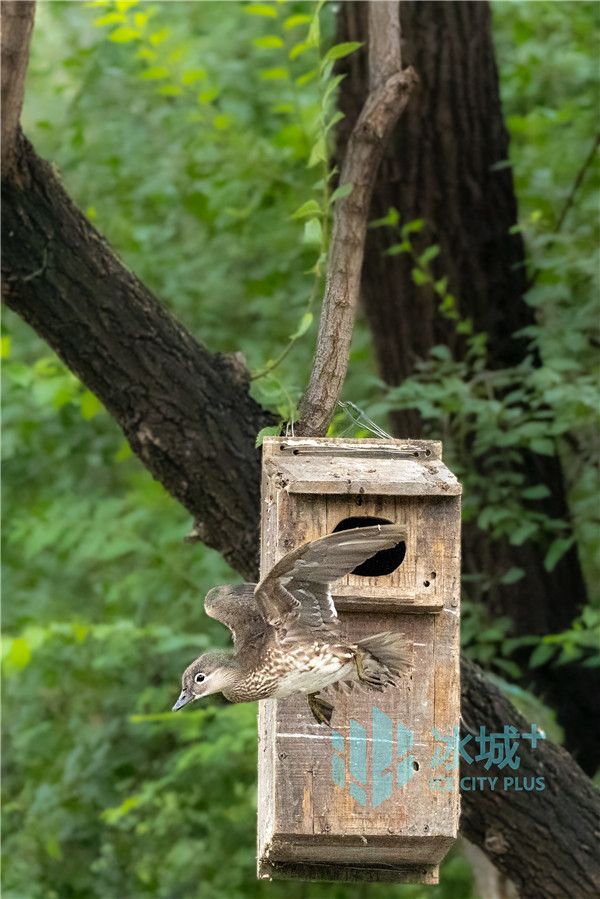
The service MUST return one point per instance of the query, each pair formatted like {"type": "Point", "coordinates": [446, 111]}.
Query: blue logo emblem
{"type": "Point", "coordinates": [372, 775]}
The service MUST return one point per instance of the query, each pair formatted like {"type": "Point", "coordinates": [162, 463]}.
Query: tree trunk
{"type": "Point", "coordinates": [524, 845]}
{"type": "Point", "coordinates": [185, 411]}
{"type": "Point", "coordinates": [440, 166]}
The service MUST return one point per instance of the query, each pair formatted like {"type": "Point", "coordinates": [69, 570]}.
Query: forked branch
{"type": "Point", "coordinates": [17, 25]}
{"type": "Point", "coordinates": [389, 90]}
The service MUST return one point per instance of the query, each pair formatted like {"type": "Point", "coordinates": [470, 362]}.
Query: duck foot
{"type": "Point", "coordinates": [321, 709]}
{"type": "Point", "coordinates": [375, 678]}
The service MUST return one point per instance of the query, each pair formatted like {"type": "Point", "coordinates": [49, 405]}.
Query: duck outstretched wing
{"type": "Point", "coordinates": [296, 593]}
{"type": "Point", "coordinates": [235, 606]}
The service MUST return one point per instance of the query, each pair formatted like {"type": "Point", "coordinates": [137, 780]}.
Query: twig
{"type": "Point", "coordinates": [577, 184]}
{"type": "Point", "coordinates": [569, 201]}
{"type": "Point", "coordinates": [17, 24]}
{"type": "Point", "coordinates": [389, 90]}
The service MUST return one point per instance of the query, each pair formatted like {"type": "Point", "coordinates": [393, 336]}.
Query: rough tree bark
{"type": "Point", "coordinates": [560, 819]}
{"type": "Point", "coordinates": [440, 166]}
{"type": "Point", "coordinates": [17, 24]}
{"type": "Point", "coordinates": [189, 418]}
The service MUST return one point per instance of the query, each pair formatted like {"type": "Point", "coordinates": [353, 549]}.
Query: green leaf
{"type": "Point", "coordinates": [344, 190]}
{"type": "Point", "coordinates": [302, 80]}
{"type": "Point", "coordinates": [511, 668]}
{"type": "Point", "coordinates": [318, 152]}
{"type": "Point", "coordinates": [429, 255]}
{"type": "Point", "coordinates": [391, 219]}
{"type": "Point", "coordinates": [271, 431]}
{"type": "Point", "coordinates": [542, 445]}
{"type": "Point", "coordinates": [52, 847]}
{"type": "Point", "coordinates": [206, 97]}
{"type": "Point", "coordinates": [5, 347]}
{"type": "Point", "coordinates": [522, 533]}
{"type": "Point", "coordinates": [335, 118]}
{"type": "Point", "coordinates": [261, 9]}
{"type": "Point", "coordinates": [512, 575]}
{"type": "Point", "coordinates": [279, 73]}
{"type": "Point", "coordinates": [541, 654]}
{"type": "Point", "coordinates": [440, 286]}
{"type": "Point", "coordinates": [268, 42]}
{"type": "Point", "coordinates": [19, 654]}
{"type": "Point", "coordinates": [539, 491]}
{"type": "Point", "coordinates": [90, 405]}
{"type": "Point", "coordinates": [124, 35]}
{"type": "Point", "coordinates": [413, 227]}
{"type": "Point", "coordinates": [191, 76]}
{"type": "Point", "coordinates": [294, 21]}
{"type": "Point", "coordinates": [154, 73]}
{"type": "Point", "coordinates": [441, 351]}
{"type": "Point", "coordinates": [420, 277]}
{"type": "Point", "coordinates": [398, 248]}
{"type": "Point", "coordinates": [332, 85]}
{"type": "Point", "coordinates": [314, 31]}
{"type": "Point", "coordinates": [298, 49]}
{"type": "Point", "coordinates": [310, 208]}
{"type": "Point", "coordinates": [158, 37]}
{"type": "Point", "coordinates": [111, 18]}
{"type": "Point", "coordinates": [313, 233]}
{"type": "Point", "coordinates": [465, 326]}
{"type": "Point", "coordinates": [146, 53]}
{"type": "Point", "coordinates": [170, 90]}
{"type": "Point", "coordinates": [123, 453]}
{"type": "Point", "coordinates": [305, 323]}
{"type": "Point", "coordinates": [557, 549]}
{"type": "Point", "coordinates": [339, 51]}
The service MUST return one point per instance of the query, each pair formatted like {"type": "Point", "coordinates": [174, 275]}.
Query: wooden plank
{"type": "Point", "coordinates": [384, 599]}
{"type": "Point", "coordinates": [349, 873]}
{"type": "Point", "coordinates": [355, 447]}
{"type": "Point", "coordinates": [364, 477]}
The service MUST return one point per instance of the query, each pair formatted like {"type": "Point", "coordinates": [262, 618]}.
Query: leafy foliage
{"type": "Point", "coordinates": [548, 404]}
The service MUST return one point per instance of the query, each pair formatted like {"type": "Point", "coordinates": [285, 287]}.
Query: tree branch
{"type": "Point", "coordinates": [185, 411]}
{"type": "Point", "coordinates": [545, 841]}
{"type": "Point", "coordinates": [577, 183]}
{"type": "Point", "coordinates": [17, 25]}
{"type": "Point", "coordinates": [390, 89]}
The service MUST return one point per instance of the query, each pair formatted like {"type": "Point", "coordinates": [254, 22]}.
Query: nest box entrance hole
{"type": "Point", "coordinates": [384, 562]}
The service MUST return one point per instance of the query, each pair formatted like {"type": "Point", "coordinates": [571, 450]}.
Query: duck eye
{"type": "Point", "coordinates": [199, 678]}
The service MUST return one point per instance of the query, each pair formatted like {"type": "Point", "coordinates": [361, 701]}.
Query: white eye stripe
{"type": "Point", "coordinates": [199, 678]}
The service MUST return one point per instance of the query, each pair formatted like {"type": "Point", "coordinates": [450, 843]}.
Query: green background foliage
{"type": "Point", "coordinates": [195, 137]}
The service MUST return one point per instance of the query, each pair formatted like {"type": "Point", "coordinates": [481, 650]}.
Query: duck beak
{"type": "Point", "coordinates": [184, 698]}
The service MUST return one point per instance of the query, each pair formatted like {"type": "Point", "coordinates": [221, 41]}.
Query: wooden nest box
{"type": "Point", "coordinates": [361, 801]}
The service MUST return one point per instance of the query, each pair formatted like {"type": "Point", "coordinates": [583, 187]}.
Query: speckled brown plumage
{"type": "Point", "coordinates": [286, 631]}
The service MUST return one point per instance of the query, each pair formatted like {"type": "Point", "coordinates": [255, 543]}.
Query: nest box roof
{"type": "Point", "coordinates": [370, 467]}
